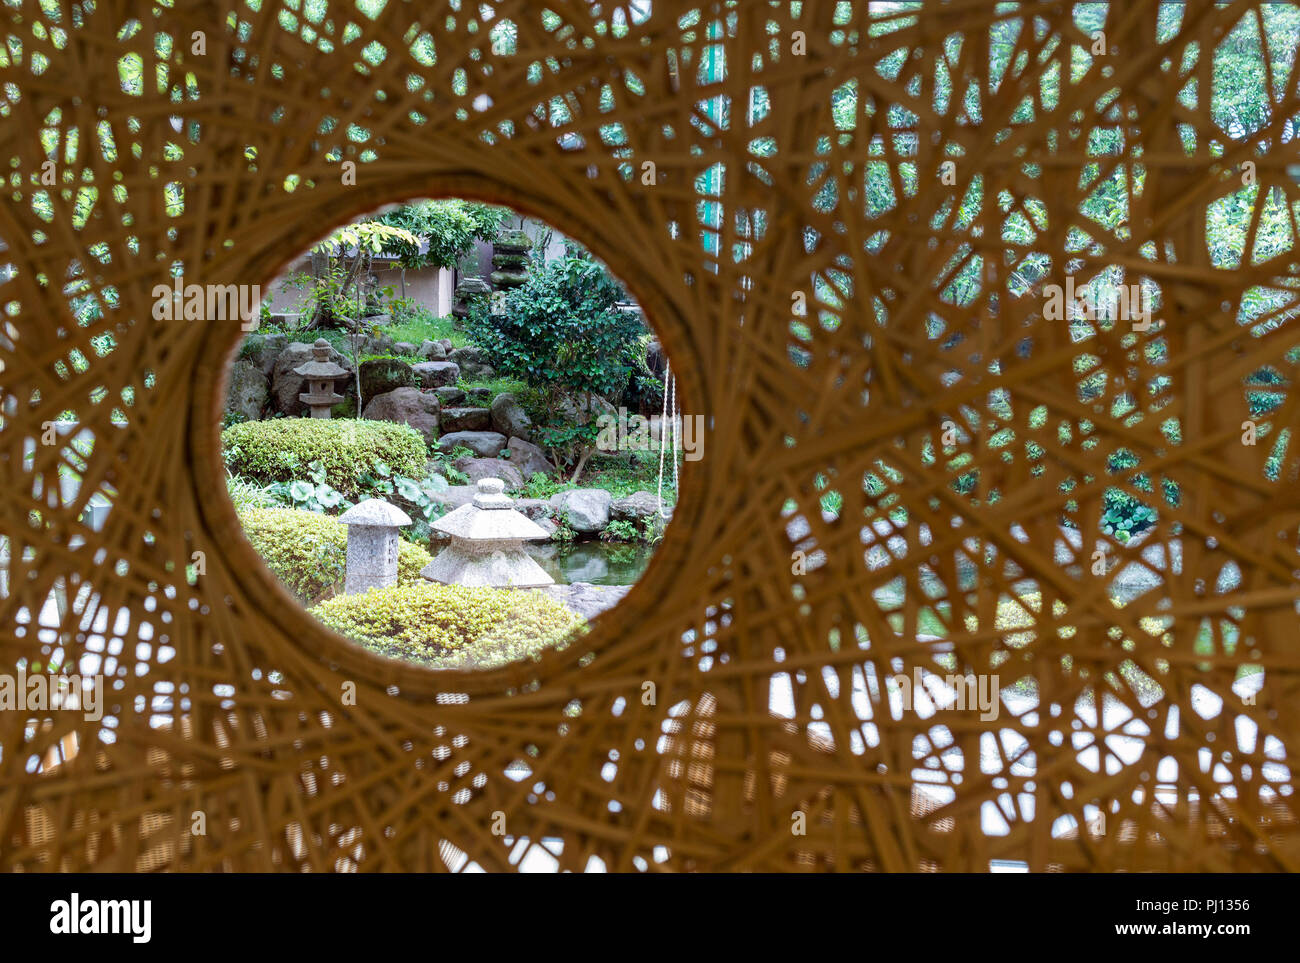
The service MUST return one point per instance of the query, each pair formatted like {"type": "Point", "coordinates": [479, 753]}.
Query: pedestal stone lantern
{"type": "Point", "coordinates": [487, 547]}
{"type": "Point", "coordinates": [321, 373]}
{"type": "Point", "coordinates": [372, 544]}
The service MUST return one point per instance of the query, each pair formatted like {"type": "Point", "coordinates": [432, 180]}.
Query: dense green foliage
{"type": "Point", "coordinates": [280, 450]}
{"type": "Point", "coordinates": [562, 334]}
{"type": "Point", "coordinates": [308, 551]}
{"type": "Point", "coordinates": [562, 331]}
{"type": "Point", "coordinates": [451, 626]}
{"type": "Point", "coordinates": [449, 226]}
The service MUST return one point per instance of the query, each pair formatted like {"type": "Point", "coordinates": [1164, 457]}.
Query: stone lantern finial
{"type": "Point", "coordinates": [372, 544]}
{"type": "Point", "coordinates": [321, 373]}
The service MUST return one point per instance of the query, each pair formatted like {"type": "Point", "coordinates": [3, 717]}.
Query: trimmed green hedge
{"type": "Point", "coordinates": [451, 626]}
{"type": "Point", "coordinates": [308, 551]}
{"type": "Point", "coordinates": [280, 450]}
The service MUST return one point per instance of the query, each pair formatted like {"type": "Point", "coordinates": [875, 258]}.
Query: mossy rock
{"type": "Point", "coordinates": [451, 626]}
{"type": "Point", "coordinates": [281, 449]}
{"type": "Point", "coordinates": [308, 551]}
{"type": "Point", "coordinates": [518, 261]}
{"type": "Point", "coordinates": [382, 375]}
{"type": "Point", "coordinates": [512, 241]}
{"type": "Point", "coordinates": [508, 279]}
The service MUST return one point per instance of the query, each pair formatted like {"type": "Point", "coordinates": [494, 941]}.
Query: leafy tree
{"type": "Point", "coordinates": [450, 226]}
{"type": "Point", "coordinates": [562, 334]}
{"type": "Point", "coordinates": [337, 297]}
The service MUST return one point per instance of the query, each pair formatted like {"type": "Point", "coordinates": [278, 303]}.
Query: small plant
{"type": "Point", "coordinates": [652, 529]}
{"type": "Point", "coordinates": [1123, 516]}
{"type": "Point", "coordinates": [541, 485]}
{"type": "Point", "coordinates": [246, 494]}
{"type": "Point", "coordinates": [314, 495]}
{"type": "Point", "coordinates": [444, 464]}
{"type": "Point", "coordinates": [620, 531]}
{"type": "Point", "coordinates": [565, 533]}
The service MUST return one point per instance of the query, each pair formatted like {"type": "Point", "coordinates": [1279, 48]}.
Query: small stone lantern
{"type": "Point", "coordinates": [487, 547]}
{"type": "Point", "coordinates": [372, 544]}
{"type": "Point", "coordinates": [321, 373]}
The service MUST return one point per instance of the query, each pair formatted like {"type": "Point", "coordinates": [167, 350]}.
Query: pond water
{"type": "Point", "coordinates": [600, 563]}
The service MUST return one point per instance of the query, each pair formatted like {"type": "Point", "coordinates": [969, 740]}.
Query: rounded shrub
{"type": "Point", "coordinates": [308, 551]}
{"type": "Point", "coordinates": [451, 626]}
{"type": "Point", "coordinates": [280, 450]}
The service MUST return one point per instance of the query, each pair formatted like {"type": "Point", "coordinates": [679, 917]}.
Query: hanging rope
{"type": "Point", "coordinates": [667, 427]}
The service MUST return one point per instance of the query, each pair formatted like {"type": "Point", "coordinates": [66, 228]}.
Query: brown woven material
{"type": "Point", "coordinates": [226, 699]}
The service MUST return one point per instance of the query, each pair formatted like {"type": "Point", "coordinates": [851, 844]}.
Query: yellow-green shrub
{"type": "Point", "coordinates": [451, 626]}
{"type": "Point", "coordinates": [308, 551]}
{"type": "Point", "coordinates": [280, 450]}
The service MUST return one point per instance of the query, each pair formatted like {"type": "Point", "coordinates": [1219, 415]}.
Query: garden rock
{"type": "Point", "coordinates": [262, 350]}
{"type": "Point", "coordinates": [449, 394]}
{"type": "Point", "coordinates": [468, 354]}
{"type": "Point", "coordinates": [473, 363]}
{"type": "Point", "coordinates": [286, 386]}
{"type": "Point", "coordinates": [485, 444]}
{"type": "Point", "coordinates": [585, 599]}
{"type": "Point", "coordinates": [585, 509]}
{"type": "Point", "coordinates": [534, 508]}
{"type": "Point", "coordinates": [456, 495]}
{"type": "Point", "coordinates": [373, 344]}
{"type": "Point", "coordinates": [509, 417]}
{"type": "Point", "coordinates": [480, 391]}
{"type": "Point", "coordinates": [436, 374]}
{"type": "Point", "coordinates": [249, 390]}
{"type": "Point", "coordinates": [636, 507]}
{"type": "Point", "coordinates": [529, 459]}
{"type": "Point", "coordinates": [382, 375]}
{"type": "Point", "coordinates": [466, 419]}
{"type": "Point", "coordinates": [432, 351]}
{"type": "Point", "coordinates": [478, 468]}
{"type": "Point", "coordinates": [407, 406]}
{"type": "Point", "coordinates": [404, 347]}
{"type": "Point", "coordinates": [468, 292]}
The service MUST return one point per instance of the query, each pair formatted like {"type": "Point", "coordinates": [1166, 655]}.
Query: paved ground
{"type": "Point", "coordinates": [586, 599]}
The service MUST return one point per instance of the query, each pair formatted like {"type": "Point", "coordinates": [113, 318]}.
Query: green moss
{"type": "Point", "coordinates": [308, 552]}
{"type": "Point", "coordinates": [383, 375]}
{"type": "Point", "coordinates": [451, 626]}
{"type": "Point", "coordinates": [282, 448]}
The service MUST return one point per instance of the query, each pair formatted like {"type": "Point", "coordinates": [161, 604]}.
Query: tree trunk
{"type": "Point", "coordinates": [582, 463]}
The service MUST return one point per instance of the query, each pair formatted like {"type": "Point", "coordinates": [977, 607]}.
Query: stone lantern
{"type": "Point", "coordinates": [487, 547]}
{"type": "Point", "coordinates": [321, 373]}
{"type": "Point", "coordinates": [372, 544]}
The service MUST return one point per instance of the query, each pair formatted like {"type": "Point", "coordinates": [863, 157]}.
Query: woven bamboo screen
{"type": "Point", "coordinates": [896, 475]}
